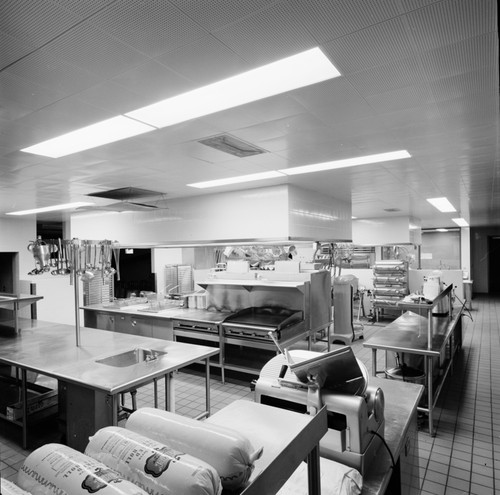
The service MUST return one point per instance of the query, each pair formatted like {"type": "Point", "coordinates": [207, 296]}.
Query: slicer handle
{"type": "Point", "coordinates": [283, 369]}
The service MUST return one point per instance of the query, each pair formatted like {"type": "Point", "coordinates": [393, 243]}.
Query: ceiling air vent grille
{"type": "Point", "coordinates": [126, 200]}
{"type": "Point", "coordinates": [232, 145]}
{"type": "Point", "coordinates": [126, 194]}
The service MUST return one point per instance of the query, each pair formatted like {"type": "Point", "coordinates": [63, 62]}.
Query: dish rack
{"type": "Point", "coordinates": [179, 280]}
{"type": "Point", "coordinates": [390, 285]}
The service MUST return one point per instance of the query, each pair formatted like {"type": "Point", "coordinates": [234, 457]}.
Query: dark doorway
{"type": "Point", "coordinates": [135, 273]}
{"type": "Point", "coordinates": [9, 272]}
{"type": "Point", "coordinates": [494, 264]}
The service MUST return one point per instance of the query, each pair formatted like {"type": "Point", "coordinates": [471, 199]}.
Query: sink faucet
{"type": "Point", "coordinates": [150, 355]}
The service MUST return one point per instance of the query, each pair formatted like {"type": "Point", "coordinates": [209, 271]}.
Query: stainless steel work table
{"type": "Point", "coordinates": [401, 436]}
{"type": "Point", "coordinates": [15, 302]}
{"type": "Point", "coordinates": [288, 439]}
{"type": "Point", "coordinates": [90, 389]}
{"type": "Point", "coordinates": [410, 334]}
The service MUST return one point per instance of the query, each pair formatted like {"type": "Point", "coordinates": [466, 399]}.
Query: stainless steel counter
{"type": "Point", "coordinates": [49, 349]}
{"type": "Point", "coordinates": [16, 302]}
{"type": "Point", "coordinates": [409, 334]}
{"type": "Point", "coordinates": [401, 435]}
{"type": "Point", "coordinates": [188, 314]}
{"type": "Point", "coordinates": [7, 300]}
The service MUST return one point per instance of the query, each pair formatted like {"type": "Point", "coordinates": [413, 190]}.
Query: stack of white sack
{"type": "Point", "coordinates": [59, 470]}
{"type": "Point", "coordinates": [227, 450]}
{"type": "Point", "coordinates": [154, 466]}
{"type": "Point", "coordinates": [10, 488]}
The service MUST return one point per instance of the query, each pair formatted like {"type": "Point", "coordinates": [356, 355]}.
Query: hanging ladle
{"type": "Point", "coordinates": [60, 269]}
{"type": "Point", "coordinates": [116, 253]}
{"type": "Point", "coordinates": [87, 275]}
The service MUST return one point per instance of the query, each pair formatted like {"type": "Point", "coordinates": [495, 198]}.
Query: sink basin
{"type": "Point", "coordinates": [129, 358]}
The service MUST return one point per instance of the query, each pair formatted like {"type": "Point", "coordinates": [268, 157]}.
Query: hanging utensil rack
{"type": "Point", "coordinates": [80, 259]}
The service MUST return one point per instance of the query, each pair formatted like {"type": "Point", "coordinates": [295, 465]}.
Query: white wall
{"type": "Point", "coordinates": [465, 255]}
{"type": "Point", "coordinates": [382, 231]}
{"type": "Point", "coordinates": [160, 258]}
{"type": "Point", "coordinates": [15, 235]}
{"type": "Point", "coordinates": [416, 280]}
{"type": "Point", "coordinates": [58, 303]}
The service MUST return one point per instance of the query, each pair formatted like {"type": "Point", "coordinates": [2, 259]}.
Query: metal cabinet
{"type": "Point", "coordinates": [134, 325]}
{"type": "Point", "coordinates": [105, 321]}
{"type": "Point", "coordinates": [102, 320]}
{"type": "Point", "coordinates": [162, 329]}
{"type": "Point", "coordinates": [144, 326]}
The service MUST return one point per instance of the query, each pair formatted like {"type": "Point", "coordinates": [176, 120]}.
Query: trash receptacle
{"type": "Point", "coordinates": [406, 374]}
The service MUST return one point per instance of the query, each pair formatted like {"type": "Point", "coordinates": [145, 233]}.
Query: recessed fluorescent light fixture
{"type": "Point", "coordinates": [66, 206]}
{"type": "Point", "coordinates": [442, 204]}
{"type": "Point", "coordinates": [441, 230]}
{"type": "Point", "coordinates": [297, 71]}
{"type": "Point", "coordinates": [461, 222]}
{"type": "Point", "coordinates": [347, 162]}
{"type": "Point", "coordinates": [104, 132]}
{"type": "Point", "coordinates": [236, 180]}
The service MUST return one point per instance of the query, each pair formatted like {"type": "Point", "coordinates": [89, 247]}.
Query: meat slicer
{"type": "Point", "coordinates": [305, 381]}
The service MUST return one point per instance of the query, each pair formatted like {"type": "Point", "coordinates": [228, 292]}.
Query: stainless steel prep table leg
{"type": "Point", "coordinates": [24, 392]}
{"type": "Point", "coordinates": [207, 385]}
{"type": "Point", "coordinates": [430, 395]}
{"type": "Point", "coordinates": [168, 393]}
{"type": "Point", "coordinates": [374, 362]}
{"type": "Point", "coordinates": [313, 472]}
{"type": "Point", "coordinates": [207, 391]}
{"type": "Point", "coordinates": [222, 354]}
{"type": "Point", "coordinates": [113, 400]}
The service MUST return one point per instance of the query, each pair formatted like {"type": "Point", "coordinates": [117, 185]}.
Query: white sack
{"type": "Point", "coordinates": [59, 470]}
{"type": "Point", "coordinates": [9, 488]}
{"type": "Point", "coordinates": [154, 466]}
{"type": "Point", "coordinates": [336, 479]}
{"type": "Point", "coordinates": [227, 450]}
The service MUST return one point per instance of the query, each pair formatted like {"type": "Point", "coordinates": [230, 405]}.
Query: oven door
{"type": "Point", "coordinates": [247, 349]}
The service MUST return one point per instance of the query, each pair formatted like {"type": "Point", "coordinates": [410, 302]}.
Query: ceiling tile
{"type": "Point", "coordinates": [380, 44]}
{"type": "Point", "coordinates": [327, 20]}
{"type": "Point", "coordinates": [151, 28]}
{"type": "Point", "coordinates": [204, 61]}
{"type": "Point", "coordinates": [267, 35]}
{"type": "Point", "coordinates": [449, 21]}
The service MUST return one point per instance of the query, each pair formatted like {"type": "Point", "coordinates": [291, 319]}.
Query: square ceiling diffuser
{"type": "Point", "coordinates": [232, 145]}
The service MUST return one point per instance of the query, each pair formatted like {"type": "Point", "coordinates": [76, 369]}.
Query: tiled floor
{"type": "Point", "coordinates": [463, 457]}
